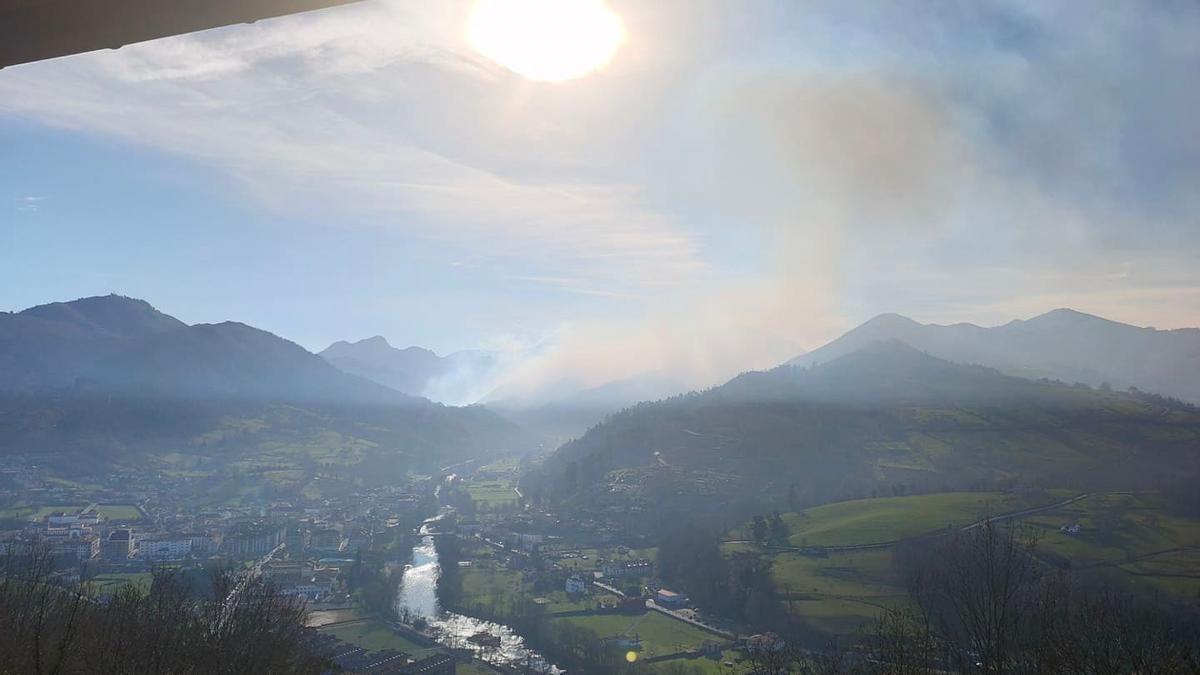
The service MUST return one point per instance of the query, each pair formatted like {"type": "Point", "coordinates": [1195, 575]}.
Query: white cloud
{"type": "Point", "coordinates": [312, 113]}
{"type": "Point", "coordinates": [30, 203]}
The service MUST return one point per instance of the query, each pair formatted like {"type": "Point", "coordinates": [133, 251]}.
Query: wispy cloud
{"type": "Point", "coordinates": [576, 286]}
{"type": "Point", "coordinates": [29, 203]}
{"type": "Point", "coordinates": [310, 113]}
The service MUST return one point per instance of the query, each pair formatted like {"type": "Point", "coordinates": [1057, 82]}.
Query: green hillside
{"type": "Point", "coordinates": [1129, 538]}
{"type": "Point", "coordinates": [872, 521]}
{"type": "Point", "coordinates": [888, 419]}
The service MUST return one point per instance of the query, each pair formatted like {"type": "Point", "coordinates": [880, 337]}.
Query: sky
{"type": "Point", "coordinates": [742, 181]}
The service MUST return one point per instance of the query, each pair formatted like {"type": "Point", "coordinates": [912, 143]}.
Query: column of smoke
{"type": "Point", "coordinates": [833, 168]}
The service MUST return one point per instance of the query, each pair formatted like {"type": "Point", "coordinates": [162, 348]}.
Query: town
{"type": "Point", "coordinates": [343, 554]}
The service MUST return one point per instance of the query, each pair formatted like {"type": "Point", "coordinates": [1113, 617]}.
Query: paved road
{"type": "Point", "coordinates": [241, 584]}
{"type": "Point", "coordinates": [651, 605]}
{"type": "Point", "coordinates": [610, 589]}
{"type": "Point", "coordinates": [1028, 512]}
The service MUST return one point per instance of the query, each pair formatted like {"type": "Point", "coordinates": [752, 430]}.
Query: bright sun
{"type": "Point", "coordinates": [546, 40]}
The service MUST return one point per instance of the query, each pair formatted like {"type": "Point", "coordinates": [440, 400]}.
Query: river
{"type": "Point", "coordinates": [418, 596]}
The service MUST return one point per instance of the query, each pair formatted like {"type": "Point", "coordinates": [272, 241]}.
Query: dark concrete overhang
{"type": "Point", "coordinates": [31, 30]}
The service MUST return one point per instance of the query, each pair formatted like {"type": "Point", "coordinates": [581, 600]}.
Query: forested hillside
{"type": "Point", "coordinates": [884, 418]}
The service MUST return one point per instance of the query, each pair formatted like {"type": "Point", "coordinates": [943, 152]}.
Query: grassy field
{"type": "Point", "coordinates": [856, 574]}
{"type": "Point", "coordinates": [492, 588]}
{"type": "Point", "coordinates": [68, 483]}
{"type": "Point", "coordinates": [1129, 535]}
{"type": "Point", "coordinates": [504, 465]}
{"type": "Point", "coordinates": [496, 590]}
{"type": "Point", "coordinates": [109, 511]}
{"type": "Point", "coordinates": [492, 492]}
{"type": "Point", "coordinates": [324, 617]}
{"type": "Point", "coordinates": [838, 593]}
{"type": "Point", "coordinates": [711, 666]}
{"type": "Point", "coordinates": [28, 512]}
{"type": "Point", "coordinates": [595, 555]}
{"type": "Point", "coordinates": [559, 601]}
{"type": "Point", "coordinates": [107, 583]}
{"type": "Point", "coordinates": [869, 521]}
{"type": "Point", "coordinates": [1175, 573]}
{"type": "Point", "coordinates": [374, 635]}
{"type": "Point", "coordinates": [659, 634]}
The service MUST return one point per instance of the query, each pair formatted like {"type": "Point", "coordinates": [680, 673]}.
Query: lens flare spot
{"type": "Point", "coordinates": [546, 40]}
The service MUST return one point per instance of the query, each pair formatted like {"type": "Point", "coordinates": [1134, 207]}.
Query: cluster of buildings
{"type": "Point", "coordinates": [86, 536]}
{"type": "Point", "coordinates": [301, 577]}
{"type": "Point", "coordinates": [613, 569]}
{"type": "Point", "coordinates": [80, 535]}
{"type": "Point", "coordinates": [301, 545]}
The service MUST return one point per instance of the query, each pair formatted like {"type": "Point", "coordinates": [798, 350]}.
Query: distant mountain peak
{"type": "Point", "coordinates": [413, 349]}
{"type": "Point", "coordinates": [117, 345]}
{"type": "Point", "coordinates": [91, 303]}
{"type": "Point", "coordinates": [886, 323]}
{"type": "Point", "coordinates": [411, 370]}
{"type": "Point", "coordinates": [1063, 343]}
{"type": "Point", "coordinates": [1068, 314]}
{"type": "Point", "coordinates": [880, 356]}
{"type": "Point", "coordinates": [112, 314]}
{"type": "Point", "coordinates": [375, 346]}
{"type": "Point", "coordinates": [889, 318]}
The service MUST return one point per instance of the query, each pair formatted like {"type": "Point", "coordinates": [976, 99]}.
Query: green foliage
{"type": "Point", "coordinates": [243, 626]}
{"type": "Point", "coordinates": [738, 586]}
{"type": "Point", "coordinates": [659, 634]}
{"type": "Point", "coordinates": [1130, 538]}
{"type": "Point", "coordinates": [892, 422]}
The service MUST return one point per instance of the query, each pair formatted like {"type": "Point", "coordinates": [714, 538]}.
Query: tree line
{"type": "Point", "coordinates": [241, 625]}
{"type": "Point", "coordinates": [981, 601]}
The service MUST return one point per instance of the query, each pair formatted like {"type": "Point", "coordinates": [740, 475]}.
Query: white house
{"type": "Point", "coordinates": [164, 548]}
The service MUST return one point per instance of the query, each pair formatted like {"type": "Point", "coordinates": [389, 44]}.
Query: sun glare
{"type": "Point", "coordinates": [546, 40]}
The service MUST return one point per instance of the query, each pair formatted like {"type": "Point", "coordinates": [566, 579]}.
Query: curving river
{"type": "Point", "coordinates": [418, 596]}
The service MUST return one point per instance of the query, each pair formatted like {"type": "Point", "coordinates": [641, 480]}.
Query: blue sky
{"type": "Point", "coordinates": [742, 181]}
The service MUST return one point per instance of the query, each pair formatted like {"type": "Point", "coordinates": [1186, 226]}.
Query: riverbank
{"type": "Point", "coordinates": [417, 600]}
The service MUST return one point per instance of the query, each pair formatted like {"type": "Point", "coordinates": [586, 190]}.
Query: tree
{"type": "Point", "coordinates": [759, 530]}
{"type": "Point", "coordinates": [244, 626]}
{"type": "Point", "coordinates": [978, 587]}
{"type": "Point", "coordinates": [779, 529]}
{"type": "Point", "coordinates": [904, 642]}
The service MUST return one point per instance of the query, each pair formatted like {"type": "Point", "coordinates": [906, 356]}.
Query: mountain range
{"type": "Point", "coordinates": [558, 412]}
{"type": "Point", "coordinates": [1062, 344]}
{"type": "Point", "coordinates": [115, 345]}
{"type": "Point", "coordinates": [114, 373]}
{"type": "Point", "coordinates": [458, 378]}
